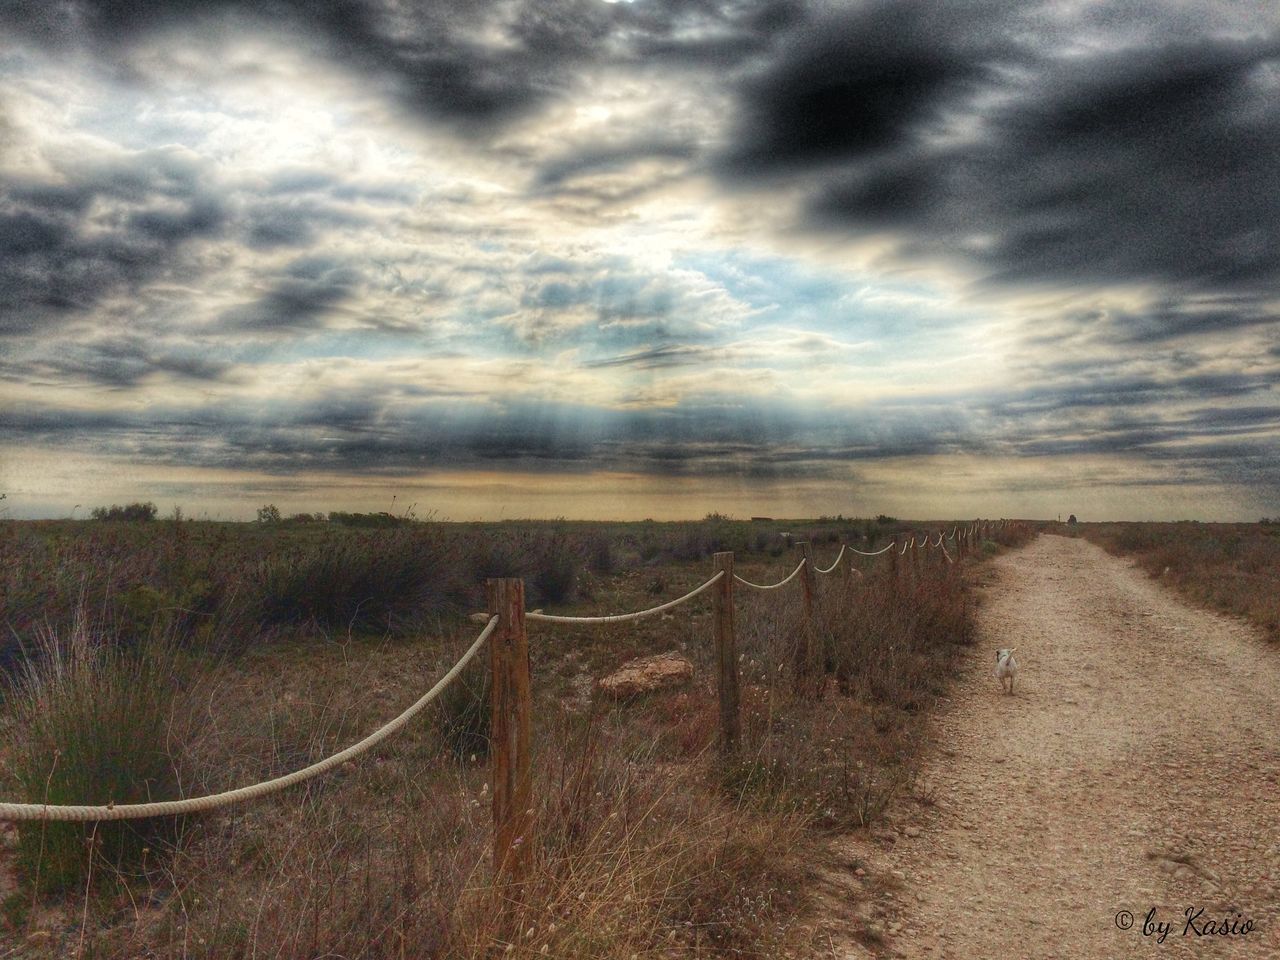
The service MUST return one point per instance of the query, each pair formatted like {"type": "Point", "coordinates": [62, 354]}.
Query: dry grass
{"type": "Point", "coordinates": [647, 845]}
{"type": "Point", "coordinates": [1233, 567]}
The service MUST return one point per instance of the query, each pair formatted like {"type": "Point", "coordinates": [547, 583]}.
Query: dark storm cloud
{"type": "Point", "coordinates": [1158, 323]}
{"type": "Point", "coordinates": [962, 133]}
{"type": "Point", "coordinates": [104, 227]}
{"type": "Point", "coordinates": [309, 289]}
{"type": "Point", "coordinates": [59, 257]}
{"type": "Point", "coordinates": [298, 221]}
{"type": "Point", "coordinates": [120, 363]}
{"type": "Point", "coordinates": [854, 85]}
{"type": "Point", "coordinates": [1121, 392]}
{"type": "Point", "coordinates": [476, 64]}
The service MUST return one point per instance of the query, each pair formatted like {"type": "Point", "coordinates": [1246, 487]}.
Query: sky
{"type": "Point", "coordinates": [573, 258]}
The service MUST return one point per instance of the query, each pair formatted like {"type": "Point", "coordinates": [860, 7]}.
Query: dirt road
{"type": "Point", "coordinates": [1136, 767]}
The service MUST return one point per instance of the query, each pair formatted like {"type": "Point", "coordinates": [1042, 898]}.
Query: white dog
{"type": "Point", "coordinates": [1006, 667]}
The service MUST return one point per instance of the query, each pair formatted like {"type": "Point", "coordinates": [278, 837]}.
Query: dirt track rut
{"type": "Point", "coordinates": [1137, 766]}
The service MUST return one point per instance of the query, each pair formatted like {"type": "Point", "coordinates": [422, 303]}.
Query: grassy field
{"type": "Point", "coordinates": [1232, 567]}
{"type": "Point", "coordinates": [166, 658]}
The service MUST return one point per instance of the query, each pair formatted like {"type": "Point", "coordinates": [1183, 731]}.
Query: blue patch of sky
{"type": "Point", "coordinates": [791, 294]}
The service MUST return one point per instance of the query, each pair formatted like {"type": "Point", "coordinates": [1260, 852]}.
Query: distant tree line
{"type": "Point", "coordinates": [270, 513]}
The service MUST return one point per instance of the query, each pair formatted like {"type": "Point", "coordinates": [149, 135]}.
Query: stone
{"type": "Point", "coordinates": [663, 671]}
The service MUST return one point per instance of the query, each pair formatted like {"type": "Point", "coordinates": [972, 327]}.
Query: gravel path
{"type": "Point", "coordinates": [1137, 766]}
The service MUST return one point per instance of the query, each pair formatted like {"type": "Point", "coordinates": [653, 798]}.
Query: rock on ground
{"type": "Point", "coordinates": [646, 674]}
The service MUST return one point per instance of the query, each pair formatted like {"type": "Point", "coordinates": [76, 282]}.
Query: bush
{"type": "Point", "coordinates": [600, 558]}
{"type": "Point", "coordinates": [132, 511]}
{"type": "Point", "coordinates": [91, 723]}
{"type": "Point", "coordinates": [497, 557]}
{"type": "Point", "coordinates": [357, 580]}
{"type": "Point", "coordinates": [556, 570]}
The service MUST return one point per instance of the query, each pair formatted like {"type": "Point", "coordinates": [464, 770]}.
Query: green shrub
{"type": "Point", "coordinates": [91, 724]}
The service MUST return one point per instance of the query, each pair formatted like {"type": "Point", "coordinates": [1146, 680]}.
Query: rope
{"type": "Point", "coordinates": [835, 563]}
{"type": "Point", "coordinates": [874, 553]}
{"type": "Point", "coordinates": [772, 586]}
{"type": "Point", "coordinates": [945, 554]}
{"type": "Point", "coordinates": [133, 811]}
{"type": "Point", "coordinates": [624, 617]}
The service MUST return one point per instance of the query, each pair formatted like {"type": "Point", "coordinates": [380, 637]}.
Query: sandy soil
{"type": "Point", "coordinates": [1136, 767]}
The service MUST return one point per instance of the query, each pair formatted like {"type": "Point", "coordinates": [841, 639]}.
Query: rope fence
{"type": "Point", "coordinates": [873, 553]}
{"type": "Point", "coordinates": [834, 563]}
{"type": "Point", "coordinates": [771, 586]}
{"type": "Point", "coordinates": [626, 617]}
{"type": "Point", "coordinates": [213, 801]}
{"type": "Point", "coordinates": [510, 690]}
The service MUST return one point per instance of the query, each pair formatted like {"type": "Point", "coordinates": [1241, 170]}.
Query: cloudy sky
{"type": "Point", "coordinates": [647, 259]}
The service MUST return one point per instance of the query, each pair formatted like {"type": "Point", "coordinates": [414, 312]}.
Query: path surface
{"type": "Point", "coordinates": [1136, 766]}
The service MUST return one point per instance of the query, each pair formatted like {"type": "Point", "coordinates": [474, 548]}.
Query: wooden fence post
{"type": "Point", "coordinates": [893, 557]}
{"type": "Point", "coordinates": [808, 655]}
{"type": "Point", "coordinates": [726, 656]}
{"type": "Point", "coordinates": [509, 734]}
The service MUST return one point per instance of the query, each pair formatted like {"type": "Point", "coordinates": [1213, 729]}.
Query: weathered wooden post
{"type": "Point", "coordinates": [726, 656]}
{"type": "Point", "coordinates": [808, 656]}
{"type": "Point", "coordinates": [509, 733]}
{"type": "Point", "coordinates": [808, 583]}
{"type": "Point", "coordinates": [893, 557]}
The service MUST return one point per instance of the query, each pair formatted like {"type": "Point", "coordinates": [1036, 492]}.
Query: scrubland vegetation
{"type": "Point", "coordinates": [150, 660]}
{"type": "Point", "coordinates": [1233, 567]}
